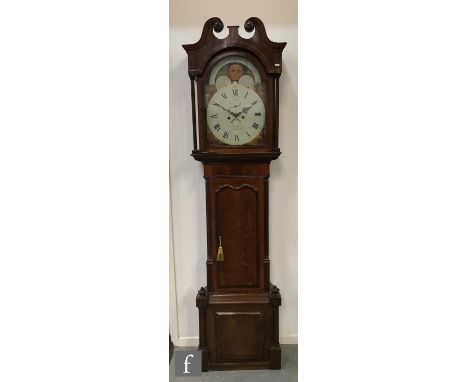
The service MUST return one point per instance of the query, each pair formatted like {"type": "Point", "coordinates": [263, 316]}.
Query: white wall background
{"type": "Point", "coordinates": [187, 208]}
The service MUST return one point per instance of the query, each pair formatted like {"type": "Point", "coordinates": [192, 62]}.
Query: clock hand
{"type": "Point", "coordinates": [246, 109]}
{"type": "Point", "coordinates": [229, 111]}
{"type": "Point", "coordinates": [217, 104]}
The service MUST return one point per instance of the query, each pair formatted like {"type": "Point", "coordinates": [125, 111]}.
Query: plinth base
{"type": "Point", "coordinates": [239, 331]}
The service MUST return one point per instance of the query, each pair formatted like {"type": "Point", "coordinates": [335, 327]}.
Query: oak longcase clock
{"type": "Point", "coordinates": [235, 104]}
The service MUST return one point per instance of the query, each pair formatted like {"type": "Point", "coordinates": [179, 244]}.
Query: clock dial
{"type": "Point", "coordinates": [236, 114]}
{"type": "Point", "coordinates": [235, 97]}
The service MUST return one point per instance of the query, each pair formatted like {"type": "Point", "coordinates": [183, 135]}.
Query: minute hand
{"type": "Point", "coordinates": [229, 111]}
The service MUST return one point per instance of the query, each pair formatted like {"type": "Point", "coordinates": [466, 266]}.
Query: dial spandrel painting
{"type": "Point", "coordinates": [235, 103]}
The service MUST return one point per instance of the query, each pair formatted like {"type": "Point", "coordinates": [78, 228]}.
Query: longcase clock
{"type": "Point", "coordinates": [235, 102]}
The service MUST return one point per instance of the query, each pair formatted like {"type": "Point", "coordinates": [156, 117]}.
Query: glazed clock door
{"type": "Point", "coordinates": [238, 227]}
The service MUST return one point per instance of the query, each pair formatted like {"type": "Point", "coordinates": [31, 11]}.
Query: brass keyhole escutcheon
{"type": "Point", "coordinates": [220, 256]}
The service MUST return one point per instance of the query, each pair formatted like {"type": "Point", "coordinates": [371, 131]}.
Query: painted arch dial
{"type": "Point", "coordinates": [236, 114]}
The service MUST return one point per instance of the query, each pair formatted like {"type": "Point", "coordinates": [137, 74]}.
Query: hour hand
{"type": "Point", "coordinates": [246, 109]}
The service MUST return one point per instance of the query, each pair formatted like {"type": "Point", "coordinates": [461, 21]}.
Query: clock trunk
{"type": "Point", "coordinates": [237, 224]}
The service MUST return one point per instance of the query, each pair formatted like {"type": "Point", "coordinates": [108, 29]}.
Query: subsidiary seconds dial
{"type": "Point", "coordinates": [235, 114]}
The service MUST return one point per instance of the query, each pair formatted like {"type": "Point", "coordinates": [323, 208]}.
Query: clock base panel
{"type": "Point", "coordinates": [239, 332]}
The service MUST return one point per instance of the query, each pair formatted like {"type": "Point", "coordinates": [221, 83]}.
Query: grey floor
{"type": "Point", "coordinates": [287, 373]}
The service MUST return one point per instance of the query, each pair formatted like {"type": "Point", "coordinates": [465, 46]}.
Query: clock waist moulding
{"type": "Point", "coordinates": [235, 102]}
